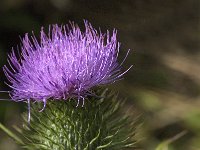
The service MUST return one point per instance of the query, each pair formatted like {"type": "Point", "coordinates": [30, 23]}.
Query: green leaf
{"type": "Point", "coordinates": [11, 134]}
{"type": "Point", "coordinates": [164, 145]}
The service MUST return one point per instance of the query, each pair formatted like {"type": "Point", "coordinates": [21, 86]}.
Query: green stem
{"type": "Point", "coordinates": [11, 134]}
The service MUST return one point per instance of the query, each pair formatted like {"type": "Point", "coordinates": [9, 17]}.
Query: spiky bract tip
{"type": "Point", "coordinates": [99, 125]}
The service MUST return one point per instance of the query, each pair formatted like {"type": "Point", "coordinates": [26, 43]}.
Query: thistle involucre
{"type": "Point", "coordinates": [65, 63]}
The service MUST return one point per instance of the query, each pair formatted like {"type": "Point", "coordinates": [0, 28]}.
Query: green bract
{"type": "Point", "coordinates": [63, 126]}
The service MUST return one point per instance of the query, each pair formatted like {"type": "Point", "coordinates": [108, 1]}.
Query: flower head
{"type": "Point", "coordinates": [66, 62]}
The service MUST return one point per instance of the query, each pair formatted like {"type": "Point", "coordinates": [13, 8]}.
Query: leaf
{"type": "Point", "coordinates": [11, 134]}
{"type": "Point", "coordinates": [164, 145]}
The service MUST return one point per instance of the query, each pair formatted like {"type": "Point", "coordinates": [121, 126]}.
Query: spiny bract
{"type": "Point", "coordinates": [99, 125]}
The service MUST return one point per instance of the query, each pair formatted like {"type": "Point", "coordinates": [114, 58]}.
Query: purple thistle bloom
{"type": "Point", "coordinates": [65, 63]}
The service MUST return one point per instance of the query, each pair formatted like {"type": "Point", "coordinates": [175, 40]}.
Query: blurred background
{"type": "Point", "coordinates": [163, 87]}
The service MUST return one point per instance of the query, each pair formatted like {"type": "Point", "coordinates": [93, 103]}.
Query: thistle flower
{"type": "Point", "coordinates": [65, 63]}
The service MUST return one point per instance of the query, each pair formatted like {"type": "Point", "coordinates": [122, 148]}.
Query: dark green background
{"type": "Point", "coordinates": [163, 87]}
